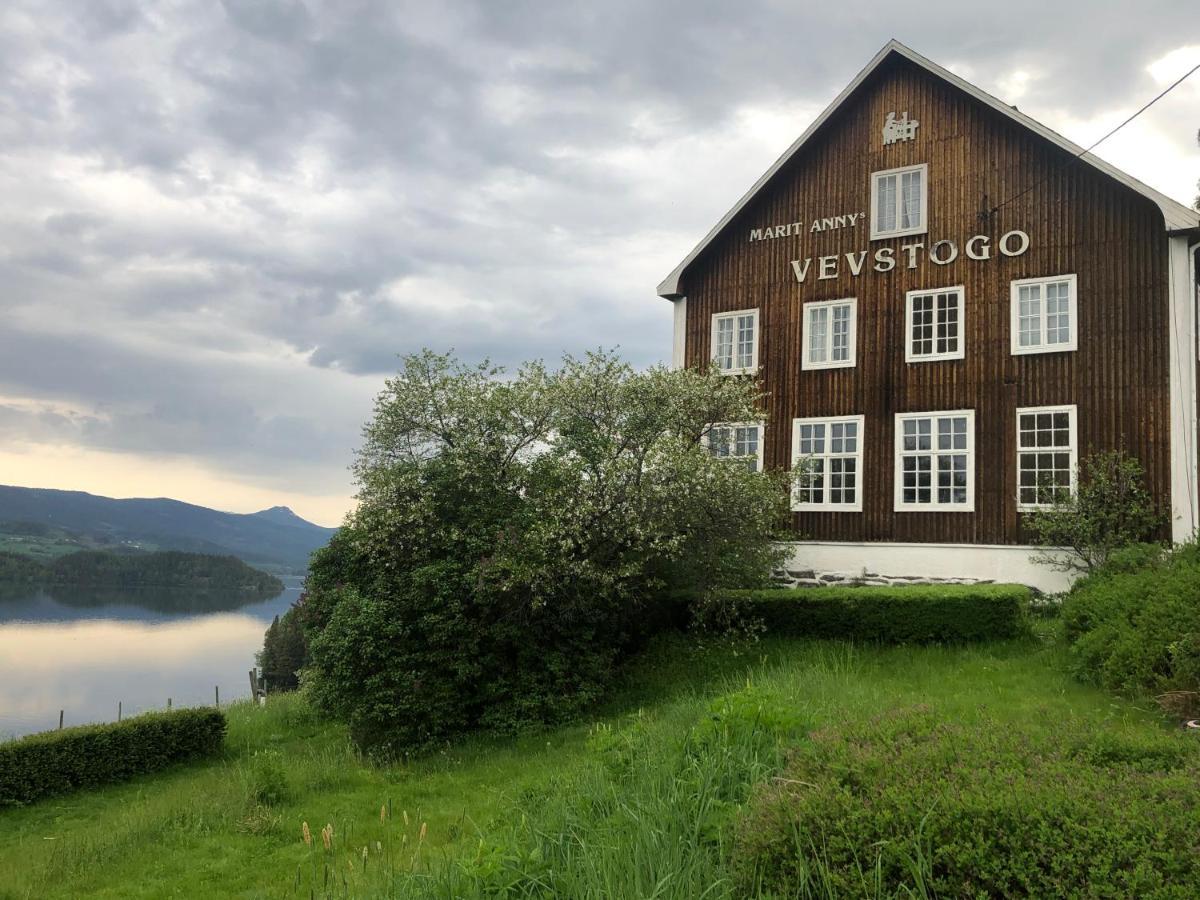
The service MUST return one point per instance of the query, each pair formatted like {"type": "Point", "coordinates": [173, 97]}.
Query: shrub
{"type": "Point", "coordinates": [266, 780]}
{"type": "Point", "coordinates": [1110, 509]}
{"type": "Point", "coordinates": [899, 614]}
{"type": "Point", "coordinates": [55, 762]}
{"type": "Point", "coordinates": [1134, 625]}
{"type": "Point", "coordinates": [907, 803]}
{"type": "Point", "coordinates": [515, 539]}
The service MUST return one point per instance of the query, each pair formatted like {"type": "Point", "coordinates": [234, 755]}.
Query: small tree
{"type": "Point", "coordinates": [285, 651]}
{"type": "Point", "coordinates": [1110, 509]}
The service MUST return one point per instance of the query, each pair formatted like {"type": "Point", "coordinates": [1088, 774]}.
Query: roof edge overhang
{"type": "Point", "coordinates": [1176, 216]}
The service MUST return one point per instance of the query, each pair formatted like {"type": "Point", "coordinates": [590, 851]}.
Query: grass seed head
{"type": "Point", "coordinates": [305, 834]}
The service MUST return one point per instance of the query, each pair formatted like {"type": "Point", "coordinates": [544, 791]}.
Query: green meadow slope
{"type": "Point", "coordinates": [605, 799]}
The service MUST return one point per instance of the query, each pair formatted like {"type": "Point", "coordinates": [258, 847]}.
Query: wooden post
{"type": "Point", "coordinates": [60, 718]}
{"type": "Point", "coordinates": [254, 685]}
{"type": "Point", "coordinates": [217, 695]}
{"type": "Point", "coordinates": [118, 710]}
{"type": "Point", "coordinates": [168, 703]}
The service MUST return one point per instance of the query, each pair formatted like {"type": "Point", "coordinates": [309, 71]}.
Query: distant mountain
{"type": "Point", "coordinates": [281, 515]}
{"type": "Point", "coordinates": [276, 539]}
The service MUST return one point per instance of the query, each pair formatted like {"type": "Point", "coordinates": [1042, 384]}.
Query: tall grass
{"type": "Point", "coordinates": [636, 803]}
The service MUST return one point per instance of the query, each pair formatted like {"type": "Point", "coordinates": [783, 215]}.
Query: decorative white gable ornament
{"type": "Point", "coordinates": [901, 129]}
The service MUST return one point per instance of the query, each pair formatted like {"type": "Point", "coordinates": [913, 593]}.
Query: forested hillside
{"type": "Point", "coordinates": [169, 568]}
{"type": "Point", "coordinates": [46, 523]}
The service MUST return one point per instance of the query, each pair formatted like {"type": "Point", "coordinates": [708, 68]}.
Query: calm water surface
{"type": "Point", "coordinates": [83, 651]}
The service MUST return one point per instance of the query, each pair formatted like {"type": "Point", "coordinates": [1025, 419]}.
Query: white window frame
{"type": "Point", "coordinates": [826, 505]}
{"type": "Point", "coordinates": [934, 506]}
{"type": "Point", "coordinates": [712, 347]}
{"type": "Point", "coordinates": [1014, 323]}
{"type": "Point", "coordinates": [1073, 411]}
{"type": "Point", "coordinates": [923, 227]}
{"type": "Point", "coordinates": [806, 361]}
{"type": "Point", "coordinates": [911, 357]}
{"type": "Point", "coordinates": [762, 428]}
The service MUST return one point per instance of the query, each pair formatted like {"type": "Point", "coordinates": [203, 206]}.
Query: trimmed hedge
{"type": "Point", "coordinates": [902, 614]}
{"type": "Point", "coordinates": [55, 762]}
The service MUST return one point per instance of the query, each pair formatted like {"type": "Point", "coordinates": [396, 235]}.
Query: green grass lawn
{"type": "Point", "coordinates": [596, 796]}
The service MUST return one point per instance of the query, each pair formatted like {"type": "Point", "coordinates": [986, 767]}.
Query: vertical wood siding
{"type": "Point", "coordinates": [1079, 221]}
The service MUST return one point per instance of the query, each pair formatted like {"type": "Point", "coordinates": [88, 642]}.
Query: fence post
{"type": "Point", "coordinates": [217, 695]}
{"type": "Point", "coordinates": [118, 710]}
{"type": "Point", "coordinates": [168, 703]}
{"type": "Point", "coordinates": [60, 718]}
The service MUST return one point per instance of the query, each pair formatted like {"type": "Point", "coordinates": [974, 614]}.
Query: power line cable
{"type": "Point", "coordinates": [1085, 151]}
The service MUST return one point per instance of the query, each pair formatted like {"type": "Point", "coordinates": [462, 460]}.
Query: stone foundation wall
{"type": "Point", "coordinates": [811, 578]}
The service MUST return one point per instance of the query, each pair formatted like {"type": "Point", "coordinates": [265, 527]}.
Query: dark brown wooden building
{"type": "Point", "coordinates": [948, 305]}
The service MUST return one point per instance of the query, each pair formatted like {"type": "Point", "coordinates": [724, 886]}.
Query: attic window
{"type": "Point", "coordinates": [899, 198]}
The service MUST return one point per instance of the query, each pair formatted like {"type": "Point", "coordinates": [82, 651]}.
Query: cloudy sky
{"type": "Point", "coordinates": [221, 222]}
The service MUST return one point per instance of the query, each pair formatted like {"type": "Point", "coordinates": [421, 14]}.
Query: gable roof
{"type": "Point", "coordinates": [1176, 215]}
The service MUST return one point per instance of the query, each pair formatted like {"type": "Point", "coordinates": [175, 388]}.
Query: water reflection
{"type": "Point", "coordinates": [82, 651]}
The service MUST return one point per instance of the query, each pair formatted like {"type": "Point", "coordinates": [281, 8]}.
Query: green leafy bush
{"type": "Point", "coordinates": [55, 762]}
{"type": "Point", "coordinates": [1134, 625]}
{"type": "Point", "coordinates": [516, 538]}
{"type": "Point", "coordinates": [899, 614]}
{"type": "Point", "coordinates": [909, 805]}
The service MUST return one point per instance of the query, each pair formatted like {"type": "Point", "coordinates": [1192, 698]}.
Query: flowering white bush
{"type": "Point", "coordinates": [515, 536]}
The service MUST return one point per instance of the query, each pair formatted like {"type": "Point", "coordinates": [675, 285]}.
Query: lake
{"type": "Point", "coordinates": [82, 651]}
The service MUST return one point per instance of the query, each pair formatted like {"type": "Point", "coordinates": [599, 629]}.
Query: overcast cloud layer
{"type": "Point", "coordinates": [220, 223]}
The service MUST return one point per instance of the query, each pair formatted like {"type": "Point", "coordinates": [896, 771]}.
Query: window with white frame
{"type": "Point", "coordinates": [1043, 315]}
{"type": "Point", "coordinates": [935, 461]}
{"type": "Point", "coordinates": [739, 442]}
{"type": "Point", "coordinates": [735, 341]}
{"type": "Point", "coordinates": [827, 460]}
{"type": "Point", "coordinates": [829, 334]}
{"type": "Point", "coordinates": [935, 324]}
{"type": "Point", "coordinates": [1046, 455]}
{"type": "Point", "coordinates": [899, 198]}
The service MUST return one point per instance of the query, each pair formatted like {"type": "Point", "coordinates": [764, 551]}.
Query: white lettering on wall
{"type": "Point", "coordinates": [942, 253]}
{"type": "Point", "coordinates": [800, 267]}
{"type": "Point", "coordinates": [1021, 236]}
{"type": "Point", "coordinates": [985, 242]}
{"type": "Point", "coordinates": [911, 250]}
{"type": "Point", "coordinates": [950, 257]}
{"type": "Point", "coordinates": [824, 223]}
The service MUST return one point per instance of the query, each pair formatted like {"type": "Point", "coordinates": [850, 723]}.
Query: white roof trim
{"type": "Point", "coordinates": [1176, 215]}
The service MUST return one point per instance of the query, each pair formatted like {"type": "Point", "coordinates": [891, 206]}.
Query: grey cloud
{"type": "Point", "coordinates": [208, 185]}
